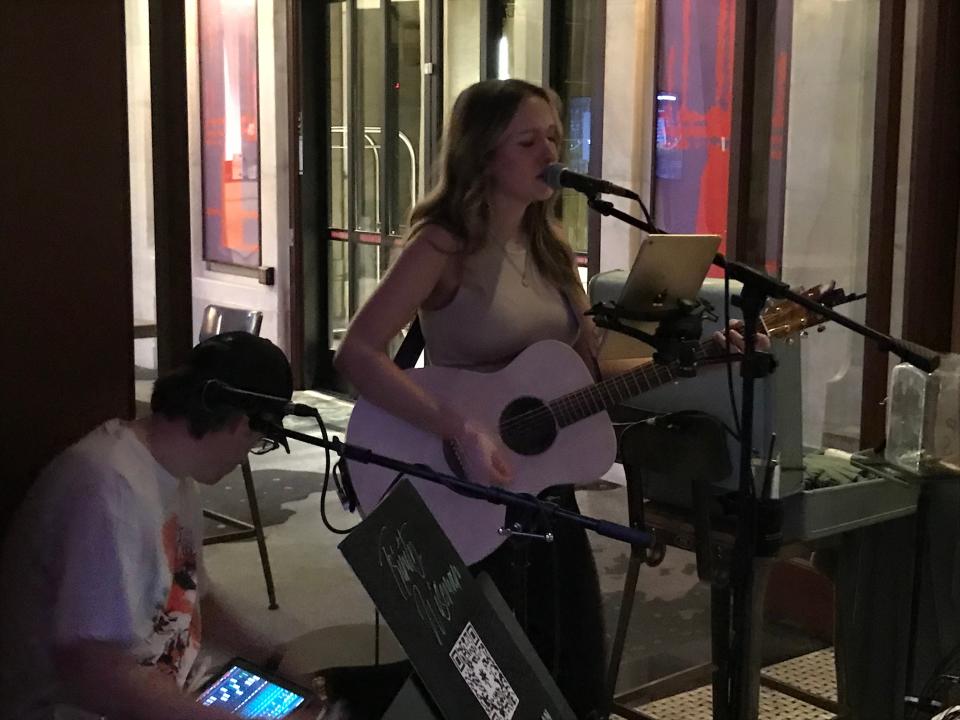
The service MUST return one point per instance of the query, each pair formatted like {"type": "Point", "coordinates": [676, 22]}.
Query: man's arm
{"type": "Point", "coordinates": [222, 628]}
{"type": "Point", "coordinates": [105, 678]}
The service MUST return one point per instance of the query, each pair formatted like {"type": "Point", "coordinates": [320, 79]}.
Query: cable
{"type": "Point", "coordinates": [399, 476]}
{"type": "Point", "coordinates": [326, 481]}
{"type": "Point", "coordinates": [726, 320]}
{"type": "Point", "coordinates": [660, 417]}
{"type": "Point", "coordinates": [646, 215]}
{"type": "Point", "coordinates": [939, 679]}
{"type": "Point", "coordinates": [700, 413]}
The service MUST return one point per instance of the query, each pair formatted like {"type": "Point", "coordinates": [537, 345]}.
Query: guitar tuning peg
{"type": "Point", "coordinates": [791, 340]}
{"type": "Point", "coordinates": [804, 333]}
{"type": "Point", "coordinates": [821, 328]}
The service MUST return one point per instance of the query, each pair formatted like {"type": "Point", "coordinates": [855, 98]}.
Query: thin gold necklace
{"type": "Point", "coordinates": [522, 272]}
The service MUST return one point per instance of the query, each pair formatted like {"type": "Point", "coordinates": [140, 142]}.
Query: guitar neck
{"type": "Point", "coordinates": [583, 403]}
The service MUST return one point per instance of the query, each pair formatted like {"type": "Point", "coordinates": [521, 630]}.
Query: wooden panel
{"type": "Point", "coordinates": [741, 132]}
{"type": "Point", "coordinates": [929, 301]}
{"type": "Point", "coordinates": [598, 27]}
{"type": "Point", "coordinates": [67, 300]}
{"type": "Point", "coordinates": [294, 96]}
{"type": "Point", "coordinates": [801, 597]}
{"type": "Point", "coordinates": [883, 209]}
{"type": "Point", "coordinates": [311, 266]}
{"type": "Point", "coordinates": [171, 182]}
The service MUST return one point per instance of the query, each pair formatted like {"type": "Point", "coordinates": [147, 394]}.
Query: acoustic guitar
{"type": "Point", "coordinates": [548, 412]}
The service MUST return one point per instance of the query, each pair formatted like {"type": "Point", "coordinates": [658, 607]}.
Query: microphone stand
{"type": "Point", "coordinates": [734, 696]}
{"type": "Point", "coordinates": [522, 502]}
{"type": "Point", "coordinates": [605, 207]}
{"type": "Point", "coordinates": [757, 287]}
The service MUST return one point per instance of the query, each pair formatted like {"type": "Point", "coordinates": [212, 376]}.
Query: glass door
{"type": "Point", "coordinates": [576, 73]}
{"type": "Point", "coordinates": [375, 144]}
{"type": "Point", "coordinates": [555, 43]}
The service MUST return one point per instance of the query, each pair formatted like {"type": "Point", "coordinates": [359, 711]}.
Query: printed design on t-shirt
{"type": "Point", "coordinates": [175, 641]}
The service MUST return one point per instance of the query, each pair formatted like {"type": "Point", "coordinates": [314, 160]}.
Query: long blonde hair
{"type": "Point", "coordinates": [458, 201]}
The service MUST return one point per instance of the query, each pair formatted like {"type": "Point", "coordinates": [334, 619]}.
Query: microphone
{"type": "Point", "coordinates": [216, 393]}
{"type": "Point", "coordinates": [557, 176]}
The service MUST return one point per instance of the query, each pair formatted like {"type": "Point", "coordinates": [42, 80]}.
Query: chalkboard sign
{"type": "Point", "coordinates": [471, 656]}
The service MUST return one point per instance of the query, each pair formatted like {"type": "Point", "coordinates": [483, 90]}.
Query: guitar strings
{"type": "Point", "coordinates": [578, 400]}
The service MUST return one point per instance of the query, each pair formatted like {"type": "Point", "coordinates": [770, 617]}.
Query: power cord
{"type": "Point", "coordinates": [339, 478]}
{"type": "Point", "coordinates": [729, 360]}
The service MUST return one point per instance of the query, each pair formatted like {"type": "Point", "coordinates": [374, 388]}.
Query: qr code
{"type": "Point", "coordinates": [482, 675]}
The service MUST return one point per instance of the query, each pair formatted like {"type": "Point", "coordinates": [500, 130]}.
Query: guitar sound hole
{"type": "Point", "coordinates": [527, 426]}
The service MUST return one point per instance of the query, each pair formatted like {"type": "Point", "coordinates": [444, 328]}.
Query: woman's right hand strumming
{"type": "Point", "coordinates": [482, 456]}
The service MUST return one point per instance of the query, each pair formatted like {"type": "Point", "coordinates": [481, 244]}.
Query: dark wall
{"type": "Point", "coordinates": [932, 223]}
{"type": "Point", "coordinates": [65, 292]}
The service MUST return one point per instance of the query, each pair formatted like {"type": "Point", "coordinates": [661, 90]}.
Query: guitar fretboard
{"type": "Point", "coordinates": [583, 403]}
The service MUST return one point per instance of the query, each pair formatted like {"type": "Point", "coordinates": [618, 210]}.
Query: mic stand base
{"type": "Point", "coordinates": [737, 645]}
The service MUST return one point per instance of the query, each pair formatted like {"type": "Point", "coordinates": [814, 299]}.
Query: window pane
{"type": "Point", "coordinates": [827, 202]}
{"type": "Point", "coordinates": [370, 77]}
{"type": "Point", "coordinates": [229, 132]}
{"type": "Point", "coordinates": [338, 259]}
{"type": "Point", "coordinates": [693, 121]}
{"type": "Point", "coordinates": [520, 48]}
{"type": "Point", "coordinates": [367, 259]}
{"type": "Point", "coordinates": [461, 48]}
{"type": "Point", "coordinates": [339, 289]}
{"type": "Point", "coordinates": [385, 178]}
{"type": "Point", "coordinates": [406, 88]}
{"type": "Point", "coordinates": [338, 102]}
{"type": "Point", "coordinates": [576, 70]}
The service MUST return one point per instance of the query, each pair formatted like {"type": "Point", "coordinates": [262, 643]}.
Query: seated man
{"type": "Point", "coordinates": [102, 566]}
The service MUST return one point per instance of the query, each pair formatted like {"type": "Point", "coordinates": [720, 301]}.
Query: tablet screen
{"type": "Point", "coordinates": [245, 692]}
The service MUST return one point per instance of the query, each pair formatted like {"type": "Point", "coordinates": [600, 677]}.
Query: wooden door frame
{"type": "Point", "coordinates": [883, 209]}
{"type": "Point", "coordinates": [171, 182]}
{"type": "Point", "coordinates": [931, 308]}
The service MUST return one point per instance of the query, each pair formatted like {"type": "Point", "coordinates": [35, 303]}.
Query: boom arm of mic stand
{"type": "Point", "coordinates": [491, 494]}
{"type": "Point", "coordinates": [605, 207]}
{"type": "Point", "coordinates": [917, 355]}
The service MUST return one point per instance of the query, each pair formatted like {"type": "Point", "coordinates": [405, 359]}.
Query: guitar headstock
{"type": "Point", "coordinates": [784, 318]}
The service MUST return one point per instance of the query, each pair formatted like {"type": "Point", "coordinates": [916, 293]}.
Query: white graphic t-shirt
{"type": "Point", "coordinates": [105, 547]}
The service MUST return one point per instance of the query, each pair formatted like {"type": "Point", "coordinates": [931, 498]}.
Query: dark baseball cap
{"type": "Point", "coordinates": [236, 359]}
{"type": "Point", "coordinates": [245, 362]}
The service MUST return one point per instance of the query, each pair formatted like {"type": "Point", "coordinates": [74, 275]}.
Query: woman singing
{"type": "Point", "coordinates": [486, 268]}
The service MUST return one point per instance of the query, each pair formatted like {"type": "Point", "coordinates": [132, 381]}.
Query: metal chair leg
{"type": "Point", "coordinates": [258, 532]}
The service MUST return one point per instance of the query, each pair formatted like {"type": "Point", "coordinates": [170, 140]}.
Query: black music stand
{"type": "Point", "coordinates": [471, 658]}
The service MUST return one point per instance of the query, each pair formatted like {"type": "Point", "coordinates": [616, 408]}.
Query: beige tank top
{"type": "Point", "coordinates": [502, 307]}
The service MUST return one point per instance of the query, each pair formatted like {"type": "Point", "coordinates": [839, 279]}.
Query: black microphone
{"type": "Point", "coordinates": [216, 393]}
{"type": "Point", "coordinates": [557, 176]}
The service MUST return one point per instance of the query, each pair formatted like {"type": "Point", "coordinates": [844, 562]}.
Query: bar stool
{"type": "Point", "coordinates": [216, 320]}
